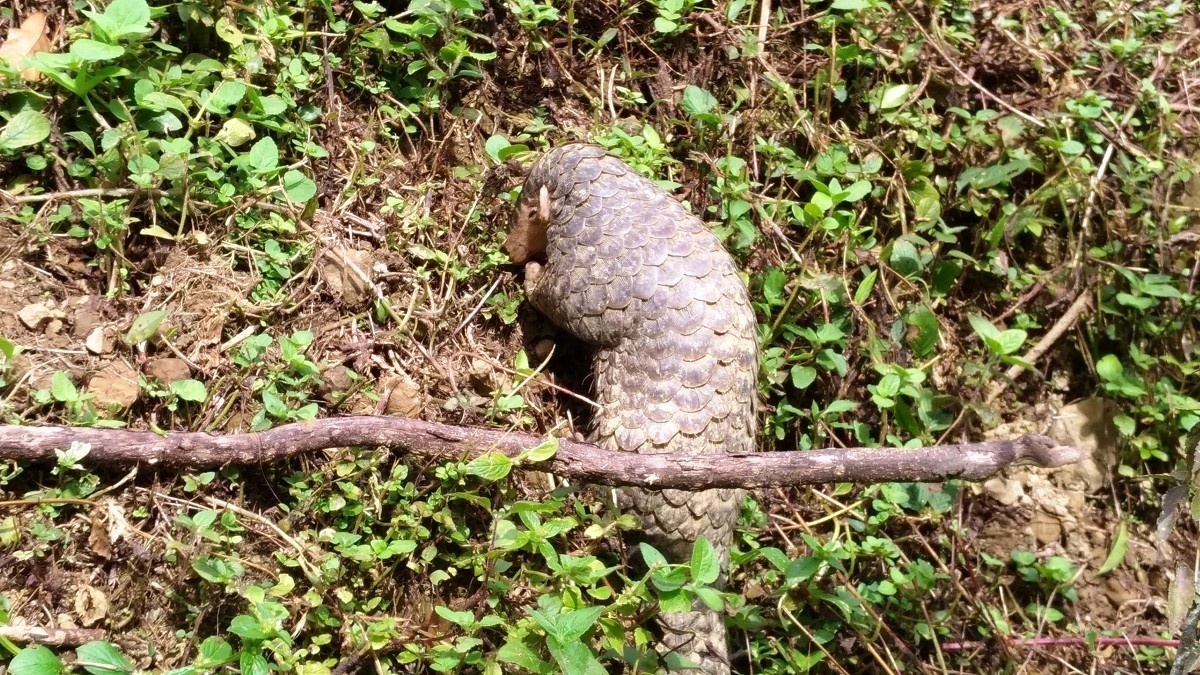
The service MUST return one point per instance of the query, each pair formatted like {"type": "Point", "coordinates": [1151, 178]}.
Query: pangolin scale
{"type": "Point", "coordinates": [631, 272]}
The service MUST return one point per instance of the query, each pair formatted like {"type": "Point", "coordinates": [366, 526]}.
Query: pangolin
{"type": "Point", "coordinates": [631, 272]}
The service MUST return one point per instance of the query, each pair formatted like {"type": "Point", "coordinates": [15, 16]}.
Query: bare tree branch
{"type": "Point", "coordinates": [579, 462]}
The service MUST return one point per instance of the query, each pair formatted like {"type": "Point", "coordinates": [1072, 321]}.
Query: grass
{"type": "Point", "coordinates": [295, 209]}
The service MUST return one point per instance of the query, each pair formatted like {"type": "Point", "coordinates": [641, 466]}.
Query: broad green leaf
{"type": "Point", "coordinates": [850, 5]}
{"type": "Point", "coordinates": [8, 349]}
{"type": "Point", "coordinates": [263, 155]}
{"type": "Point", "coordinates": [142, 164]}
{"type": "Point", "coordinates": [924, 343]}
{"type": "Point", "coordinates": [298, 187]}
{"type": "Point", "coordinates": [227, 94]}
{"type": "Point", "coordinates": [857, 190]}
{"type": "Point", "coordinates": [575, 658]}
{"type": "Point", "coordinates": [247, 627]}
{"type": "Point", "coordinates": [572, 624]}
{"type": "Point", "coordinates": [28, 127]}
{"type": "Point", "coordinates": [92, 50]}
{"type": "Point", "coordinates": [991, 176]}
{"type": "Point", "coordinates": [905, 258]}
{"type": "Point", "coordinates": [252, 662]}
{"type": "Point", "coordinates": [124, 17]}
{"type": "Point", "coordinates": [711, 597]}
{"type": "Point", "coordinates": [158, 101]}
{"type": "Point", "coordinates": [803, 376]}
{"type": "Point", "coordinates": [697, 101]}
{"type": "Point", "coordinates": [492, 466]}
{"type": "Point", "coordinates": [706, 566]}
{"type": "Point", "coordinates": [145, 326]}
{"type": "Point", "coordinates": [802, 569]}
{"type": "Point", "coordinates": [895, 95]}
{"type": "Point", "coordinates": [35, 661]}
{"type": "Point", "coordinates": [189, 390]}
{"type": "Point", "coordinates": [103, 658]}
{"type": "Point", "coordinates": [1109, 368]}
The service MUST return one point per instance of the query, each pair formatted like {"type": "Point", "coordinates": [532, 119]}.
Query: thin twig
{"type": "Point", "coordinates": [1060, 327]}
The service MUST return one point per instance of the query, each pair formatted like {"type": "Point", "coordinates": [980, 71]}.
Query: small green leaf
{"type": "Point", "coordinates": [145, 327]}
{"type": "Point", "coordinates": [494, 145]}
{"type": "Point", "coordinates": [464, 618]}
{"type": "Point", "coordinates": [28, 127]}
{"type": "Point", "coordinates": [651, 555]}
{"type": "Point", "coordinates": [1120, 547]}
{"type": "Point", "coordinates": [252, 662]}
{"type": "Point", "coordinates": [492, 466]}
{"type": "Point", "coordinates": [905, 258]}
{"type": "Point", "coordinates": [214, 652]}
{"type": "Point", "coordinates": [983, 327]}
{"type": "Point", "coordinates": [157, 231]}
{"type": "Point", "coordinates": [61, 387]}
{"type": "Point", "coordinates": [1011, 340]}
{"type": "Point", "coordinates": [865, 287]}
{"type": "Point", "coordinates": [1070, 147]}
{"type": "Point", "coordinates": [298, 187]}
{"type": "Point", "coordinates": [543, 451]}
{"type": "Point", "coordinates": [572, 624]}
{"type": "Point", "coordinates": [103, 658]}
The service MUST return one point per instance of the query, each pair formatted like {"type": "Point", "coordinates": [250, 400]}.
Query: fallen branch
{"type": "Point", "coordinates": [58, 637]}
{"type": "Point", "coordinates": [579, 462]}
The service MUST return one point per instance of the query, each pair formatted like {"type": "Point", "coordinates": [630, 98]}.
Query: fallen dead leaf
{"type": "Point", "coordinates": [24, 42]}
{"type": "Point", "coordinates": [98, 539]}
{"type": "Point", "coordinates": [91, 605]}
